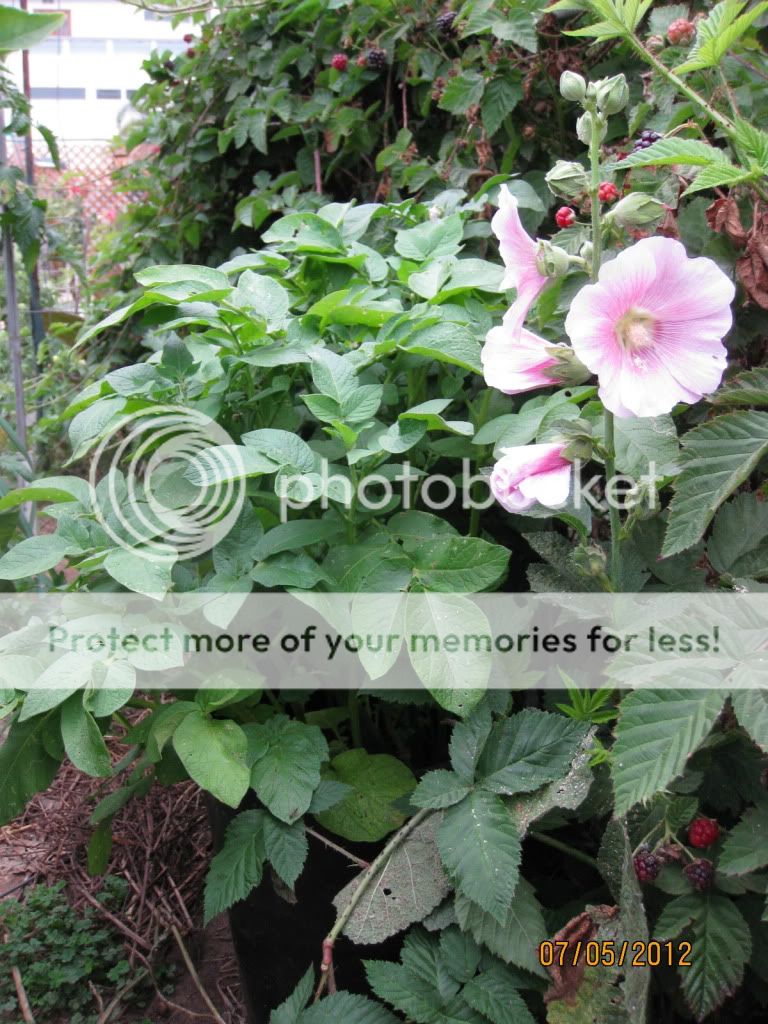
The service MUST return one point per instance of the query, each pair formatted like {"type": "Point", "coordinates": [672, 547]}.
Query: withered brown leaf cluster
{"type": "Point", "coordinates": [752, 267]}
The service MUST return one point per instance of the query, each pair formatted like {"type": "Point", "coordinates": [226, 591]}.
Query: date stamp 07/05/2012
{"type": "Point", "coordinates": [593, 953]}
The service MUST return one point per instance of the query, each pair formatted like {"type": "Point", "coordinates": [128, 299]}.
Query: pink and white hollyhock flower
{"type": "Point", "coordinates": [651, 328]}
{"type": "Point", "coordinates": [530, 473]}
{"type": "Point", "coordinates": [520, 254]}
{"type": "Point", "coordinates": [516, 364]}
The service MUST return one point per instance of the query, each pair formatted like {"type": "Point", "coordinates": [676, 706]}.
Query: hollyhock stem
{"type": "Point", "coordinates": [610, 450]}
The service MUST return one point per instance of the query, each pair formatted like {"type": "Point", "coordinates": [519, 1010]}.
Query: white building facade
{"type": "Point", "coordinates": [82, 78]}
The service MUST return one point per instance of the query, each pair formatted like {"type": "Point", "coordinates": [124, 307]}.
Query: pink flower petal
{"type": "Point", "coordinates": [518, 251]}
{"type": "Point", "coordinates": [514, 365]}
{"type": "Point", "coordinates": [679, 312]}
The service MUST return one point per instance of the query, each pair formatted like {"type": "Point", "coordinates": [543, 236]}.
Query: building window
{"type": "Point", "coordinates": [65, 29]}
{"type": "Point", "coordinates": [108, 94]}
{"type": "Point", "coordinates": [43, 92]}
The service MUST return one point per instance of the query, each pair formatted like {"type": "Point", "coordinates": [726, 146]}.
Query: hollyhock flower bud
{"type": "Point", "coordinates": [651, 328]}
{"type": "Point", "coordinates": [551, 259]}
{"type": "Point", "coordinates": [568, 179]}
{"type": "Point", "coordinates": [566, 368]}
{"type": "Point", "coordinates": [531, 473]}
{"type": "Point", "coordinates": [589, 124]}
{"type": "Point", "coordinates": [572, 86]}
{"type": "Point", "coordinates": [637, 210]}
{"type": "Point", "coordinates": [612, 94]}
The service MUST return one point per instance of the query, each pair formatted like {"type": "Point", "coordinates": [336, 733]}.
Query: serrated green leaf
{"type": "Point", "coordinates": [674, 151]}
{"type": "Point", "coordinates": [528, 750]}
{"type": "Point", "coordinates": [746, 845]}
{"type": "Point", "coordinates": [720, 947]}
{"type": "Point", "coordinates": [287, 771]}
{"type": "Point", "coordinates": [439, 789]}
{"type": "Point", "coordinates": [718, 174]}
{"type": "Point", "coordinates": [342, 1006]}
{"type": "Point", "coordinates": [517, 939]}
{"type": "Point", "coordinates": [745, 389]}
{"type": "Point", "coordinates": [657, 731]}
{"type": "Point", "coordinates": [493, 993]}
{"type": "Point", "coordinates": [286, 848]}
{"type": "Point", "coordinates": [467, 741]}
{"type": "Point", "coordinates": [238, 867]}
{"type": "Point", "coordinates": [739, 541]}
{"type": "Point", "coordinates": [462, 92]}
{"type": "Point", "coordinates": [718, 33]}
{"type": "Point", "coordinates": [717, 457]}
{"type": "Point", "coordinates": [751, 708]}
{"type": "Point", "coordinates": [290, 1011]}
{"type": "Point", "coordinates": [480, 848]}
{"type": "Point", "coordinates": [501, 97]}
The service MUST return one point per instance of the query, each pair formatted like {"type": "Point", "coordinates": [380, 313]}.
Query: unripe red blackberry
{"type": "Point", "coordinates": [191, 52]}
{"type": "Point", "coordinates": [701, 874]}
{"type": "Point", "coordinates": [376, 59]}
{"type": "Point", "coordinates": [703, 832]}
{"type": "Point", "coordinates": [189, 38]}
{"type": "Point", "coordinates": [565, 217]}
{"type": "Point", "coordinates": [647, 866]}
{"type": "Point", "coordinates": [681, 32]}
{"type": "Point", "coordinates": [361, 61]}
{"type": "Point", "coordinates": [444, 23]}
{"type": "Point", "coordinates": [607, 192]}
{"type": "Point", "coordinates": [339, 61]}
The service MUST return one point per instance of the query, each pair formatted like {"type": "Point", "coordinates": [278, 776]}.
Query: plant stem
{"type": "Point", "coordinates": [720, 119]}
{"type": "Point", "coordinates": [542, 837]}
{"type": "Point", "coordinates": [613, 513]}
{"type": "Point", "coordinates": [610, 451]}
{"type": "Point", "coordinates": [326, 968]}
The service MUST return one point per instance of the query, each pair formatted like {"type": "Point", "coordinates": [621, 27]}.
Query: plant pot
{"type": "Point", "coordinates": [276, 940]}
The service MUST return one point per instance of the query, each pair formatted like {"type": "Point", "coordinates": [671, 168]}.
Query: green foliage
{"type": "Point", "coordinates": [62, 955]}
{"type": "Point", "coordinates": [347, 335]}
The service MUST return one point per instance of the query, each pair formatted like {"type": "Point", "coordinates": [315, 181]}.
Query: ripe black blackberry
{"type": "Point", "coordinates": [444, 23]}
{"type": "Point", "coordinates": [647, 138]}
{"type": "Point", "coordinates": [376, 59]}
{"type": "Point", "coordinates": [647, 866]}
{"type": "Point", "coordinates": [700, 874]}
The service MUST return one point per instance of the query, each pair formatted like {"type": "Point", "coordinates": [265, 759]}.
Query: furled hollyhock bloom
{"type": "Point", "coordinates": [651, 328]}
{"type": "Point", "coordinates": [520, 254]}
{"type": "Point", "coordinates": [514, 364]}
{"type": "Point", "coordinates": [531, 473]}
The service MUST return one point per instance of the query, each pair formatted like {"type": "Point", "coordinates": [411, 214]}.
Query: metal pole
{"type": "Point", "coordinates": [35, 302]}
{"type": "Point", "coordinates": [12, 311]}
